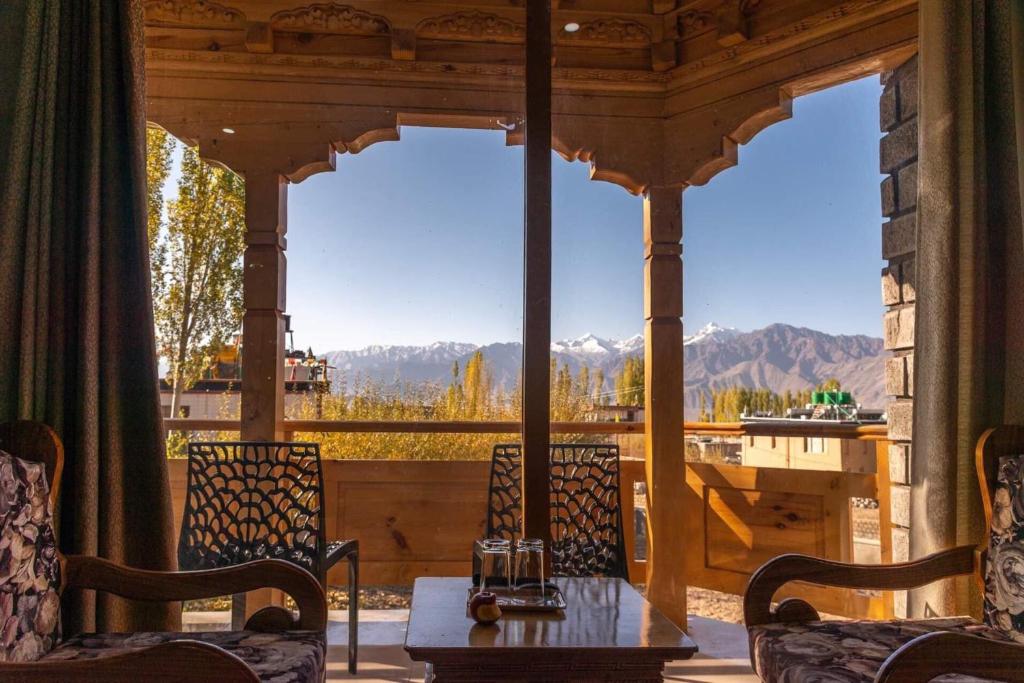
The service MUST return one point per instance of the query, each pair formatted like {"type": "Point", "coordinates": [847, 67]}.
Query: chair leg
{"type": "Point", "coordinates": [237, 611]}
{"type": "Point", "coordinates": [353, 611]}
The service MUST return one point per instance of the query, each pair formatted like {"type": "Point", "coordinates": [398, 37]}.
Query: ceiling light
{"type": "Point", "coordinates": [229, 131]}
{"type": "Point", "coordinates": [571, 27]}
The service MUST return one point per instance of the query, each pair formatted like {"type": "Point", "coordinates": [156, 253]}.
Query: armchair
{"type": "Point", "coordinates": [791, 643]}
{"type": "Point", "coordinates": [275, 644]}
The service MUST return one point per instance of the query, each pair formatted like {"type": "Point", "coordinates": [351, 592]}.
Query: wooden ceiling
{"type": "Point", "coordinates": [627, 82]}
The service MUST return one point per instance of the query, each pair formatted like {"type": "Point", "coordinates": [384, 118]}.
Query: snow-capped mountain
{"type": "Point", "coordinates": [778, 357]}
{"type": "Point", "coordinates": [712, 331]}
{"type": "Point", "coordinates": [405, 363]}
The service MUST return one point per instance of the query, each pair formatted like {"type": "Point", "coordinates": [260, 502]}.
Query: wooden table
{"type": "Point", "coordinates": [607, 632]}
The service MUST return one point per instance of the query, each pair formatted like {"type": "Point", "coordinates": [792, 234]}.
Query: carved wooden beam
{"type": "Point", "coordinates": [259, 37]}
{"type": "Point", "coordinates": [732, 23]}
{"type": "Point", "coordinates": [403, 44]}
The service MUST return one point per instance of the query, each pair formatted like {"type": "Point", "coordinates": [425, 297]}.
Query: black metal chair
{"type": "Point", "coordinates": [586, 515]}
{"type": "Point", "coordinates": [255, 500]}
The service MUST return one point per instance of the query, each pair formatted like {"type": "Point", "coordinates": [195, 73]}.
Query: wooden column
{"type": "Point", "coordinates": [266, 218]}
{"type": "Point", "coordinates": [263, 293]}
{"type": "Point", "coordinates": [663, 400]}
{"type": "Point", "coordinates": [537, 276]}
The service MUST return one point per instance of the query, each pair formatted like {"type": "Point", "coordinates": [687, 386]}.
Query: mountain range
{"type": "Point", "coordinates": [779, 357]}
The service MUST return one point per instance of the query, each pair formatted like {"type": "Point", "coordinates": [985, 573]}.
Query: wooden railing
{"type": "Point", "coordinates": [418, 518]}
{"type": "Point", "coordinates": [836, 431]}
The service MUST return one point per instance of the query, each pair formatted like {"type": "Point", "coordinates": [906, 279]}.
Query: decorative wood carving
{"type": "Point", "coordinates": [472, 25]}
{"type": "Point", "coordinates": [331, 18]}
{"type": "Point", "coordinates": [195, 12]}
{"type": "Point", "coordinates": [804, 26]}
{"type": "Point", "coordinates": [609, 32]}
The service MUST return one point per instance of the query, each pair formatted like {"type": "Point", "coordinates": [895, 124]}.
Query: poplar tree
{"type": "Point", "coordinates": [196, 253]}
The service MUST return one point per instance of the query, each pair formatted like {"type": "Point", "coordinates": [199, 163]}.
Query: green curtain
{"type": "Point", "coordinates": [76, 346]}
{"type": "Point", "coordinates": [969, 337]}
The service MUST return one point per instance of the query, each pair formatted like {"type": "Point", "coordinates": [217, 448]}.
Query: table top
{"type": "Point", "coordinates": [601, 613]}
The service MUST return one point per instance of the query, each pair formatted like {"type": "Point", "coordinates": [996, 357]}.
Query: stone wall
{"type": "Point", "coordinates": [898, 159]}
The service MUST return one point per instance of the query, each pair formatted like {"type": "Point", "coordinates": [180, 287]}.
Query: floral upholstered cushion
{"type": "Point", "coordinates": [846, 651]}
{"type": "Point", "coordinates": [287, 657]}
{"type": "Point", "coordinates": [29, 566]}
{"type": "Point", "coordinates": [1004, 571]}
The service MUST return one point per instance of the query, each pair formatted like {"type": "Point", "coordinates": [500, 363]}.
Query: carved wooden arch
{"type": "Point", "coordinates": [633, 185]}
{"type": "Point", "coordinates": [703, 142]}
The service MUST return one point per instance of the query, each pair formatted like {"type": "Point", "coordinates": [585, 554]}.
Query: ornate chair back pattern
{"type": "Point", "coordinates": [253, 500]}
{"type": "Point", "coordinates": [1004, 566]}
{"type": "Point", "coordinates": [586, 517]}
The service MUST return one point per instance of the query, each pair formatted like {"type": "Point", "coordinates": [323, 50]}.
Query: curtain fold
{"type": "Point", "coordinates": [76, 320]}
{"type": "Point", "coordinates": [969, 337]}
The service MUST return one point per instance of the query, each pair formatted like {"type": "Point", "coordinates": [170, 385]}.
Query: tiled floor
{"type": "Point", "coordinates": [723, 657]}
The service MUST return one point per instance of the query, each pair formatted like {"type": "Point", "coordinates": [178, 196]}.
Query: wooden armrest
{"type": "Point", "coordinates": [785, 568]}
{"type": "Point", "coordinates": [939, 653]}
{"type": "Point", "coordinates": [96, 573]}
{"type": "Point", "coordinates": [180, 660]}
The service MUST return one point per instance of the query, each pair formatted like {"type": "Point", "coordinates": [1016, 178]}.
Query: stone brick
{"type": "Point", "coordinates": [900, 497]}
{"type": "Point", "coordinates": [898, 147]}
{"type": "Point", "coordinates": [891, 285]}
{"type": "Point", "coordinates": [899, 328]}
{"type": "Point", "coordinates": [901, 415]}
{"type": "Point", "coordinates": [906, 188]}
{"type": "Point", "coordinates": [899, 236]}
{"type": "Point", "coordinates": [888, 116]}
{"type": "Point", "coordinates": [896, 376]}
{"type": "Point", "coordinates": [908, 290]}
{"type": "Point", "coordinates": [910, 375]}
{"type": "Point", "coordinates": [899, 463]}
{"type": "Point", "coordinates": [889, 196]}
{"type": "Point", "coordinates": [900, 545]}
{"type": "Point", "coordinates": [907, 79]}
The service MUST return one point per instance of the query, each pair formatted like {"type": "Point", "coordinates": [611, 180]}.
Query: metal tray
{"type": "Point", "coordinates": [526, 599]}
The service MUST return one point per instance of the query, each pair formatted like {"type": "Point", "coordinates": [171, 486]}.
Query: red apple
{"type": "Point", "coordinates": [483, 607]}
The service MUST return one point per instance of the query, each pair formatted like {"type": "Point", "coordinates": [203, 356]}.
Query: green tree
{"type": "Point", "coordinates": [159, 148]}
{"type": "Point", "coordinates": [629, 385]}
{"type": "Point", "coordinates": [196, 255]}
{"type": "Point", "coordinates": [600, 396]}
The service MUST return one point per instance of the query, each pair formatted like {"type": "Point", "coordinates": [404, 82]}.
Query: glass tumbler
{"type": "Point", "coordinates": [495, 566]}
{"type": "Point", "coordinates": [530, 563]}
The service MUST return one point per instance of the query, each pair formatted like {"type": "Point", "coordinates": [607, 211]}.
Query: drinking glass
{"type": "Point", "coordinates": [495, 569]}
{"type": "Point", "coordinates": [530, 563]}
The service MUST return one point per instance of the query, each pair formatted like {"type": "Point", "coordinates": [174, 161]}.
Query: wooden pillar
{"type": "Point", "coordinates": [663, 400]}
{"type": "Point", "coordinates": [537, 277]}
{"type": "Point", "coordinates": [263, 294]}
{"type": "Point", "coordinates": [266, 219]}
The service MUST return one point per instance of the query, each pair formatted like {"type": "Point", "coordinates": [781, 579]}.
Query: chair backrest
{"type": "Point", "coordinates": [586, 515]}
{"type": "Point", "coordinates": [253, 500]}
{"type": "Point", "coordinates": [1000, 462]}
{"type": "Point", "coordinates": [29, 562]}
{"type": "Point", "coordinates": [36, 442]}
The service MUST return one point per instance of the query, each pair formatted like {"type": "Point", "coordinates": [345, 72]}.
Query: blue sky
{"type": "Point", "coordinates": [420, 240]}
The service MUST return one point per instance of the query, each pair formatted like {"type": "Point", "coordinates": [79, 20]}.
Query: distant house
{"type": "Point", "coordinates": [815, 453]}
{"type": "Point", "coordinates": [600, 413]}
{"type": "Point", "coordinates": [218, 394]}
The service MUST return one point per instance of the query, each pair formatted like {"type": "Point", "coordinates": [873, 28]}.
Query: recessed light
{"type": "Point", "coordinates": [229, 131]}
{"type": "Point", "coordinates": [571, 27]}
